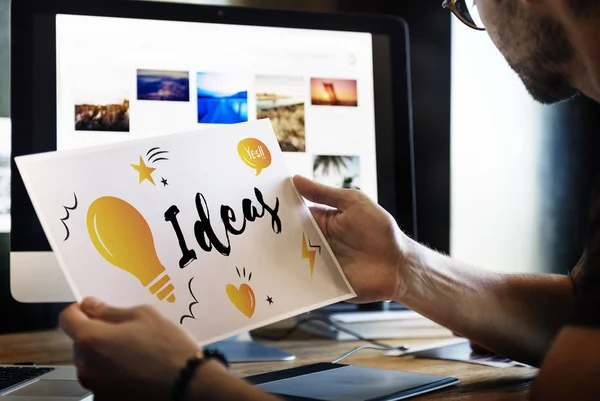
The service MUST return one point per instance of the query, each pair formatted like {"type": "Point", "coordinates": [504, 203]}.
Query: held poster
{"type": "Point", "coordinates": [206, 226]}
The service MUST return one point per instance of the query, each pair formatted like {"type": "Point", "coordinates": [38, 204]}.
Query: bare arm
{"type": "Point", "coordinates": [515, 315]}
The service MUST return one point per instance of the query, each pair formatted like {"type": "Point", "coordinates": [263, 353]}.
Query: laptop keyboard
{"type": "Point", "coordinates": [13, 375]}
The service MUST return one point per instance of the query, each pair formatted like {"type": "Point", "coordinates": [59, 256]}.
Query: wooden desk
{"type": "Point", "coordinates": [477, 382]}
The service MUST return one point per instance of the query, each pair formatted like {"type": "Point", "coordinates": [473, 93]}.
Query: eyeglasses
{"type": "Point", "coordinates": [466, 11]}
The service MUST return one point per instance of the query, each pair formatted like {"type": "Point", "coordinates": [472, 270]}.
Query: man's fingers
{"type": "Point", "coordinates": [323, 194]}
{"type": "Point", "coordinates": [322, 215]}
{"type": "Point", "coordinates": [97, 309]}
{"type": "Point", "coordinates": [74, 321]}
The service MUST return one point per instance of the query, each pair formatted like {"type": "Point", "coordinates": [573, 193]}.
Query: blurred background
{"type": "Point", "coordinates": [502, 182]}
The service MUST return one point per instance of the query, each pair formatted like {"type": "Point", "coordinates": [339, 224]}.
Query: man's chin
{"type": "Point", "coordinates": [555, 99]}
{"type": "Point", "coordinates": [557, 90]}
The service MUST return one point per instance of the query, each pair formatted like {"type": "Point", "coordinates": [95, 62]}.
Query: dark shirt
{"type": "Point", "coordinates": [586, 275]}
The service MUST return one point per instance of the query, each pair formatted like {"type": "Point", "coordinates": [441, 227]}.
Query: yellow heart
{"type": "Point", "coordinates": [243, 299]}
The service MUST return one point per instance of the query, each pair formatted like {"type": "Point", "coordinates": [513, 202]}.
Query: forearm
{"type": "Point", "coordinates": [515, 315]}
{"type": "Point", "coordinates": [213, 382]}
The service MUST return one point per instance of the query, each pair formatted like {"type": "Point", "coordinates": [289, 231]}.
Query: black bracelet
{"type": "Point", "coordinates": [192, 364]}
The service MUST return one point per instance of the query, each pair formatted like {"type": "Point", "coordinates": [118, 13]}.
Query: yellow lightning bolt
{"type": "Point", "coordinates": [308, 254]}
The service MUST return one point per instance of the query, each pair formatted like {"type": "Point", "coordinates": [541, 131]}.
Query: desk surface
{"type": "Point", "coordinates": [477, 382]}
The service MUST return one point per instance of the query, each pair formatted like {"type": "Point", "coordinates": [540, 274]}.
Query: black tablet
{"type": "Point", "coordinates": [337, 382]}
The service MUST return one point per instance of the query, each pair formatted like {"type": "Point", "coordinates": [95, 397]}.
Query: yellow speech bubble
{"type": "Point", "coordinates": [254, 154]}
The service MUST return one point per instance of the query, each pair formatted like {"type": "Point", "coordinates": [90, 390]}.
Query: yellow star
{"type": "Point", "coordinates": [145, 171]}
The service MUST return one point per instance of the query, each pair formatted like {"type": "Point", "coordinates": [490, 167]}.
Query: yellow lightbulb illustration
{"type": "Point", "coordinates": [123, 237]}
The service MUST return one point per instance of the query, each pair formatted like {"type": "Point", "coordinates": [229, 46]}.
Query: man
{"type": "Point", "coordinates": [550, 321]}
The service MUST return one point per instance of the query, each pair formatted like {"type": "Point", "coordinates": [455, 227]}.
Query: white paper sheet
{"type": "Point", "coordinates": [206, 226]}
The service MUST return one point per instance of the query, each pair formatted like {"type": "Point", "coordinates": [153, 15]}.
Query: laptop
{"type": "Point", "coordinates": [50, 383]}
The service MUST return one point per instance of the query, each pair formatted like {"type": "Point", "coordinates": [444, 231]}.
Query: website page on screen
{"type": "Point", "coordinates": [120, 79]}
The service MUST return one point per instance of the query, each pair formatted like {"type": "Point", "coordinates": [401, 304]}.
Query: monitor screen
{"type": "Point", "coordinates": [120, 78]}
{"type": "Point", "coordinates": [335, 87]}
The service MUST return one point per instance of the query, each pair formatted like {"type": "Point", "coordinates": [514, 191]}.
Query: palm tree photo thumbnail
{"type": "Point", "coordinates": [337, 171]}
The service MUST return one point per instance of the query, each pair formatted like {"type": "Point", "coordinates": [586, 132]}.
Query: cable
{"type": "Point", "coordinates": [347, 354]}
{"type": "Point", "coordinates": [333, 324]}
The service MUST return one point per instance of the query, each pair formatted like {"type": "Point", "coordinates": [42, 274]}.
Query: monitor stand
{"type": "Point", "coordinates": [345, 307]}
{"type": "Point", "coordinates": [242, 348]}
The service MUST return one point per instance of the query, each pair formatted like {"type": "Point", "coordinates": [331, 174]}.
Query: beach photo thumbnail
{"type": "Point", "coordinates": [281, 99]}
{"type": "Point", "coordinates": [337, 171]}
{"type": "Point", "coordinates": [333, 92]}
{"type": "Point", "coordinates": [222, 98]}
{"type": "Point", "coordinates": [163, 85]}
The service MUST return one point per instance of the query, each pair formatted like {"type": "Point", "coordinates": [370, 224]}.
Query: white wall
{"type": "Point", "coordinates": [496, 140]}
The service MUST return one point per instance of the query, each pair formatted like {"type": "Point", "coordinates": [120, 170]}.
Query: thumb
{"type": "Point", "coordinates": [323, 194]}
{"type": "Point", "coordinates": [97, 309]}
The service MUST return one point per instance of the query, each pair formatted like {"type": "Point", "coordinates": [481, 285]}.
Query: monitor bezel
{"type": "Point", "coordinates": [401, 204]}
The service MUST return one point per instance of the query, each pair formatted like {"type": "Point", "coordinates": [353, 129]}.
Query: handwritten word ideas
{"type": "Point", "coordinates": [203, 229]}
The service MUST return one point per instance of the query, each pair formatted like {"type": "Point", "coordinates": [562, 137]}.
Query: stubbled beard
{"type": "Point", "coordinates": [549, 51]}
{"type": "Point", "coordinates": [543, 85]}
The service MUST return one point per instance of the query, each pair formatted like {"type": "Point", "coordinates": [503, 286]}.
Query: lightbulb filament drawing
{"type": "Point", "coordinates": [123, 237]}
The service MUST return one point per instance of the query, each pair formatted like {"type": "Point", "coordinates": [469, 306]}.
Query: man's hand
{"type": "Point", "coordinates": [363, 236]}
{"type": "Point", "coordinates": [126, 354]}
{"type": "Point", "coordinates": [514, 315]}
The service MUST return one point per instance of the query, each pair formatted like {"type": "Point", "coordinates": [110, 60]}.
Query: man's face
{"type": "Point", "coordinates": [535, 46]}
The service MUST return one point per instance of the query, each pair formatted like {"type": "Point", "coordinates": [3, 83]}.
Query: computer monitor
{"type": "Point", "coordinates": [336, 88]}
